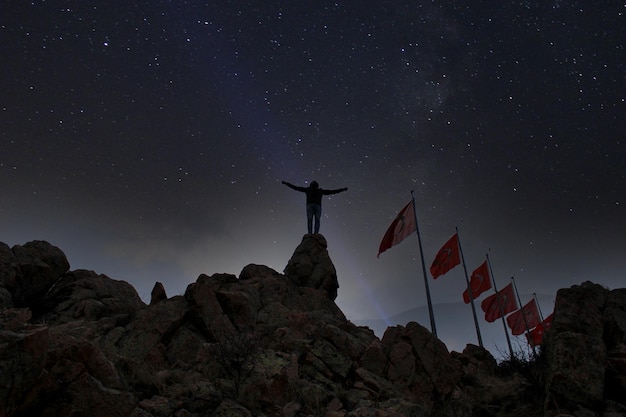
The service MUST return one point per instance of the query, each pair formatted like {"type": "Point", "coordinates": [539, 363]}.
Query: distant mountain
{"type": "Point", "coordinates": [455, 324]}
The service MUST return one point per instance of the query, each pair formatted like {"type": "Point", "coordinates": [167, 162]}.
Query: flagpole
{"type": "Point", "coordinates": [433, 328]}
{"type": "Point", "coordinates": [519, 300]}
{"type": "Point", "coordinates": [469, 287]}
{"type": "Point", "coordinates": [506, 332]}
{"type": "Point", "coordinates": [538, 307]}
{"type": "Point", "coordinates": [540, 317]}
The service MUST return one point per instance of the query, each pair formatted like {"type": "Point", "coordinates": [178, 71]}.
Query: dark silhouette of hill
{"type": "Point", "coordinates": [264, 343]}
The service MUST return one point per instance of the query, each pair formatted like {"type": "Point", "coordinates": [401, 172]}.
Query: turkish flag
{"type": "Point", "coordinates": [447, 258]}
{"type": "Point", "coordinates": [479, 282]}
{"type": "Point", "coordinates": [535, 336]}
{"type": "Point", "coordinates": [524, 319]}
{"type": "Point", "coordinates": [499, 304]}
{"type": "Point", "coordinates": [402, 226]}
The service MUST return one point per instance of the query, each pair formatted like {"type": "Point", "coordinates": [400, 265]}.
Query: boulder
{"type": "Point", "coordinates": [41, 265]}
{"type": "Point", "coordinates": [87, 393]}
{"type": "Point", "coordinates": [476, 361]}
{"type": "Point", "coordinates": [85, 294]}
{"type": "Point", "coordinates": [310, 266]}
{"type": "Point", "coordinates": [374, 358]}
{"type": "Point", "coordinates": [15, 319]}
{"type": "Point", "coordinates": [576, 352]}
{"type": "Point", "coordinates": [146, 338]}
{"type": "Point", "coordinates": [6, 299]}
{"type": "Point", "coordinates": [206, 307]}
{"type": "Point", "coordinates": [419, 363]}
{"type": "Point", "coordinates": [614, 318]}
{"type": "Point", "coordinates": [23, 358]}
{"type": "Point", "coordinates": [257, 271]}
{"type": "Point", "coordinates": [158, 293]}
{"type": "Point", "coordinates": [10, 273]}
{"type": "Point", "coordinates": [9, 268]}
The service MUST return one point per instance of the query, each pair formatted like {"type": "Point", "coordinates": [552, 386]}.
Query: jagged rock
{"type": "Point", "coordinates": [158, 293]}
{"type": "Point", "coordinates": [277, 345]}
{"type": "Point", "coordinates": [373, 383]}
{"type": "Point", "coordinates": [9, 268]}
{"type": "Point", "coordinates": [576, 352]}
{"type": "Point", "coordinates": [147, 337]}
{"type": "Point", "coordinates": [396, 407]}
{"type": "Point", "coordinates": [615, 318]}
{"type": "Point", "coordinates": [257, 271]}
{"type": "Point", "coordinates": [276, 373]}
{"type": "Point", "coordinates": [419, 362]}
{"type": "Point", "coordinates": [476, 361]}
{"type": "Point", "coordinates": [85, 294]}
{"type": "Point", "coordinates": [158, 406]}
{"type": "Point", "coordinates": [23, 358]}
{"type": "Point", "coordinates": [310, 266]}
{"type": "Point", "coordinates": [40, 265]}
{"type": "Point", "coordinates": [9, 274]}
{"type": "Point", "coordinates": [15, 319]}
{"type": "Point", "coordinates": [69, 355]}
{"type": "Point", "coordinates": [202, 296]}
{"type": "Point", "coordinates": [230, 408]}
{"type": "Point", "coordinates": [87, 393]}
{"type": "Point", "coordinates": [6, 299]}
{"type": "Point", "coordinates": [374, 359]}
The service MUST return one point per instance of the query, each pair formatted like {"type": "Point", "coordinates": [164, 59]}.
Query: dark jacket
{"type": "Point", "coordinates": [314, 194]}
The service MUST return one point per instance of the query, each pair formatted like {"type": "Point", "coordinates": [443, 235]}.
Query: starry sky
{"type": "Point", "coordinates": [148, 140]}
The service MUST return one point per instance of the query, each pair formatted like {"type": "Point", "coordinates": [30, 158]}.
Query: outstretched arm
{"type": "Point", "coordinates": [339, 190]}
{"type": "Point", "coordinates": [294, 187]}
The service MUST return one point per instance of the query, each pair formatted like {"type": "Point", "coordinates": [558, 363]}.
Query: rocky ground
{"type": "Point", "coordinates": [75, 343]}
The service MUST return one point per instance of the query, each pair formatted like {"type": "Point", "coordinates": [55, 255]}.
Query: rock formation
{"type": "Point", "coordinates": [310, 266]}
{"type": "Point", "coordinates": [587, 351]}
{"type": "Point", "coordinates": [76, 343]}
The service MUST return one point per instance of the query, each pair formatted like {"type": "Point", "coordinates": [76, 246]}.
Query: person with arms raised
{"type": "Point", "coordinates": [314, 202]}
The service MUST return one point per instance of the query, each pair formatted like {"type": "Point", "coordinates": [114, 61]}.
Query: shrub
{"type": "Point", "coordinates": [237, 354]}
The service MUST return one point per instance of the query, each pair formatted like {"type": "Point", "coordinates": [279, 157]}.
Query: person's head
{"type": "Point", "coordinates": [314, 185]}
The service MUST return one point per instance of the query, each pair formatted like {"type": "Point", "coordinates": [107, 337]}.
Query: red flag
{"type": "Point", "coordinates": [524, 319]}
{"type": "Point", "coordinates": [402, 226]}
{"type": "Point", "coordinates": [535, 336]}
{"type": "Point", "coordinates": [479, 282]}
{"type": "Point", "coordinates": [447, 258]}
{"type": "Point", "coordinates": [499, 304]}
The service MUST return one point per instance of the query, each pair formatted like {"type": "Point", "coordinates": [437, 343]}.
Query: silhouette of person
{"type": "Point", "coordinates": [314, 202]}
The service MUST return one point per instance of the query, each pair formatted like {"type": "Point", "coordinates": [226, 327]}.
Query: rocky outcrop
{"type": "Point", "coordinates": [83, 294]}
{"type": "Point", "coordinates": [158, 293]}
{"type": "Point", "coordinates": [310, 266]}
{"type": "Point", "coordinates": [28, 271]}
{"type": "Point", "coordinates": [271, 344]}
{"type": "Point", "coordinates": [585, 352]}
{"type": "Point", "coordinates": [9, 274]}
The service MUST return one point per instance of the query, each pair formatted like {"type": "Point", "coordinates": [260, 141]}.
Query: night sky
{"type": "Point", "coordinates": [148, 140]}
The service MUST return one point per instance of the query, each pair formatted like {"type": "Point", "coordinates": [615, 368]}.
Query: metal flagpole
{"type": "Point", "coordinates": [469, 288]}
{"type": "Point", "coordinates": [506, 332]}
{"type": "Point", "coordinates": [519, 300]}
{"type": "Point", "coordinates": [433, 328]}
{"type": "Point", "coordinates": [538, 307]}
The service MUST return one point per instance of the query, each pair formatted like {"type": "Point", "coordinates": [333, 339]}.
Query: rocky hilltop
{"type": "Point", "coordinates": [76, 343]}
